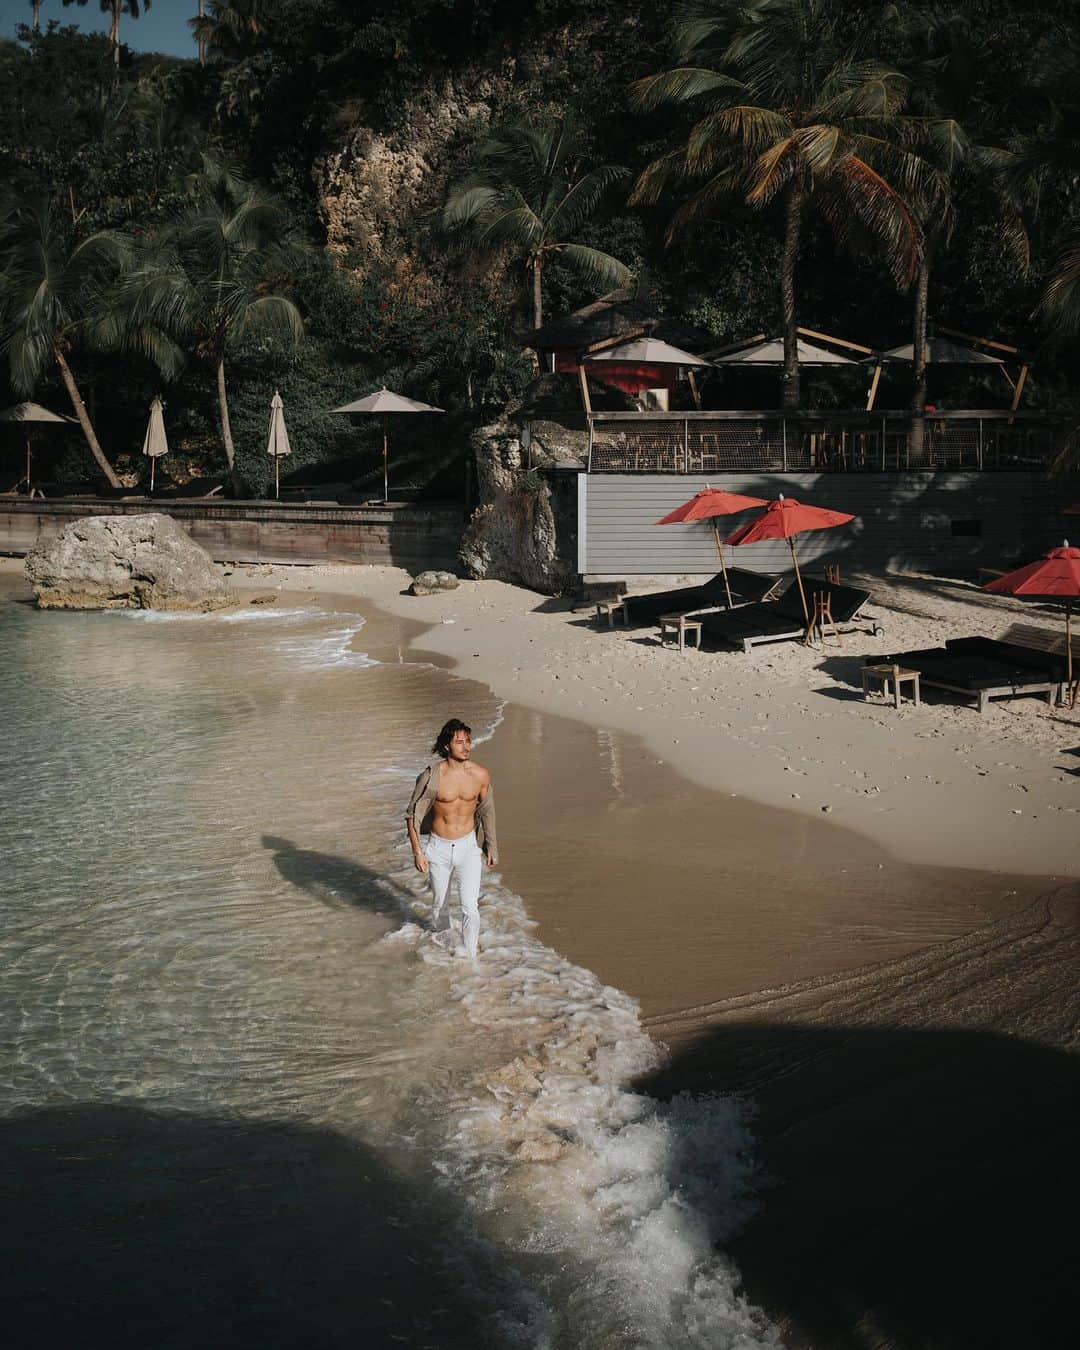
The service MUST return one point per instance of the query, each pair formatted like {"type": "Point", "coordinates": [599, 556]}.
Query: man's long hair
{"type": "Point", "coordinates": [443, 739]}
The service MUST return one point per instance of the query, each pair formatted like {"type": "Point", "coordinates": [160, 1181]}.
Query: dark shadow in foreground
{"type": "Point", "coordinates": [128, 1228]}
{"type": "Point", "coordinates": [923, 1185]}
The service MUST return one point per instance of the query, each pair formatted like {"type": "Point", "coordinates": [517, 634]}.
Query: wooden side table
{"type": "Point", "coordinates": [612, 608]}
{"type": "Point", "coordinates": [897, 675]}
{"type": "Point", "coordinates": [682, 626]}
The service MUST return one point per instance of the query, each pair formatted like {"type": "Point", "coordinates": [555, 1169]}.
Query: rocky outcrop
{"type": "Point", "coordinates": [431, 583]}
{"type": "Point", "coordinates": [523, 531]}
{"type": "Point", "coordinates": [125, 562]}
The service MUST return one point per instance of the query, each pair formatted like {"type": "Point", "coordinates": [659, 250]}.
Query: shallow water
{"type": "Point", "coordinates": [212, 925]}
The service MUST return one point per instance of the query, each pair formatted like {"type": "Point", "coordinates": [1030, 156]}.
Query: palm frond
{"type": "Point", "coordinates": [680, 86]}
{"type": "Point", "coordinates": [583, 198]}
{"type": "Point", "coordinates": [597, 267]}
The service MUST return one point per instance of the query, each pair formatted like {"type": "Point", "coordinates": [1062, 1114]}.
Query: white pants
{"type": "Point", "coordinates": [461, 858]}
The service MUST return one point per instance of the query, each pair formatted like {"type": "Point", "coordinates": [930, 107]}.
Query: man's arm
{"type": "Point", "coordinates": [410, 821]}
{"type": "Point", "coordinates": [486, 813]}
{"type": "Point", "coordinates": [414, 839]}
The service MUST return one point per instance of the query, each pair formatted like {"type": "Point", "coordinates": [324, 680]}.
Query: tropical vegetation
{"type": "Point", "coordinates": [343, 194]}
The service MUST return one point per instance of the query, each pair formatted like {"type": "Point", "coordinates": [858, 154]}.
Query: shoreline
{"type": "Point", "coordinates": [784, 726]}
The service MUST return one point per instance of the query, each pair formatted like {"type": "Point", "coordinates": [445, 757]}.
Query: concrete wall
{"type": "Point", "coordinates": [903, 520]}
{"type": "Point", "coordinates": [408, 536]}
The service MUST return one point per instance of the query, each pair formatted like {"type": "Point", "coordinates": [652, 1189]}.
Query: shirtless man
{"type": "Point", "coordinates": [451, 824]}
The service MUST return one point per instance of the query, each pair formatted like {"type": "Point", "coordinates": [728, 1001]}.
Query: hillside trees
{"type": "Point", "coordinates": [786, 113]}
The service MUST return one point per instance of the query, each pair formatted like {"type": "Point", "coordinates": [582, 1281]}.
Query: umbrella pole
{"type": "Point", "coordinates": [28, 484]}
{"type": "Point", "coordinates": [1070, 687]}
{"type": "Point", "coordinates": [153, 465]}
{"type": "Point", "coordinates": [798, 578]}
{"type": "Point", "coordinates": [385, 471]}
{"type": "Point", "coordinates": [723, 564]}
{"type": "Point", "coordinates": [277, 478]}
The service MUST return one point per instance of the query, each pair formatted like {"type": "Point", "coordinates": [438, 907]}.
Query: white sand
{"type": "Point", "coordinates": [786, 725]}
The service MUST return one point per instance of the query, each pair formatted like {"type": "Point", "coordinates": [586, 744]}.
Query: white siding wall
{"type": "Point", "coordinates": [902, 520]}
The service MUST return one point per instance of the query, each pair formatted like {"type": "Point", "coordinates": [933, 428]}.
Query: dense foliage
{"type": "Point", "coordinates": [962, 121]}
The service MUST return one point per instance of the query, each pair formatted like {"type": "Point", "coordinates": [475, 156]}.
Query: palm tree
{"type": "Point", "coordinates": [51, 291]}
{"type": "Point", "coordinates": [530, 193]}
{"type": "Point", "coordinates": [115, 8]}
{"type": "Point", "coordinates": [1047, 162]}
{"type": "Point", "coordinates": [787, 114]}
{"type": "Point", "coordinates": [229, 29]}
{"type": "Point", "coordinates": [207, 279]}
{"type": "Point", "coordinates": [943, 58]}
{"type": "Point", "coordinates": [35, 5]}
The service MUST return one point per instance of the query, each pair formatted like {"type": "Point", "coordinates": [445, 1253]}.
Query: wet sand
{"type": "Point", "coordinates": [906, 1033]}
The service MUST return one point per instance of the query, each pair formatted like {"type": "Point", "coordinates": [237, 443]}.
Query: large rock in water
{"type": "Point", "coordinates": [125, 562]}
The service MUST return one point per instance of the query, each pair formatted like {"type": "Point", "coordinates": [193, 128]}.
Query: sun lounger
{"type": "Point", "coordinates": [746, 588]}
{"type": "Point", "coordinates": [983, 668]}
{"type": "Point", "coordinates": [783, 619]}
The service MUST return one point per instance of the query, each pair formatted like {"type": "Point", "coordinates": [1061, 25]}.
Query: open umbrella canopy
{"type": "Point", "coordinates": [709, 503]}
{"type": "Point", "coordinates": [1054, 577]}
{"type": "Point", "coordinates": [939, 352]}
{"type": "Point", "coordinates": [386, 401]}
{"type": "Point", "coordinates": [648, 351]}
{"type": "Point", "coordinates": [784, 518]}
{"type": "Point", "coordinates": [770, 352]}
{"type": "Point", "coordinates": [32, 412]}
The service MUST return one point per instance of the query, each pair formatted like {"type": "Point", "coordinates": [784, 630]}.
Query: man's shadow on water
{"type": "Point", "coordinates": [126, 1228]}
{"type": "Point", "coordinates": [923, 1188]}
{"type": "Point", "coordinates": [339, 883]}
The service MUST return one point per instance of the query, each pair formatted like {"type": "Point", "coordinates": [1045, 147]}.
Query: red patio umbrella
{"type": "Point", "coordinates": [784, 519]}
{"type": "Point", "coordinates": [708, 504]}
{"type": "Point", "coordinates": [1054, 577]}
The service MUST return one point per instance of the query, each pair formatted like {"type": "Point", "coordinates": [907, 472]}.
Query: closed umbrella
{"type": "Point", "coordinates": [155, 443]}
{"type": "Point", "coordinates": [278, 441]}
{"type": "Point", "coordinates": [709, 504]}
{"type": "Point", "coordinates": [27, 413]}
{"type": "Point", "coordinates": [1054, 577]}
{"type": "Point", "coordinates": [784, 519]}
{"type": "Point", "coordinates": [386, 401]}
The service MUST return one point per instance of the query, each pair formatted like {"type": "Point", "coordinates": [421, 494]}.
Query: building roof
{"type": "Point", "coordinates": [618, 312]}
{"type": "Point", "coordinates": [770, 352]}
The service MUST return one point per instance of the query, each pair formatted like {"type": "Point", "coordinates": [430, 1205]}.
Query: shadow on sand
{"type": "Point", "coordinates": [923, 1188]}
{"type": "Point", "coordinates": [128, 1228]}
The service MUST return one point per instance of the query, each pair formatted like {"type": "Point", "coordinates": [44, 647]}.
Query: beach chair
{"type": "Point", "coordinates": [783, 619]}
{"type": "Point", "coordinates": [983, 668]}
{"type": "Point", "coordinates": [746, 588]}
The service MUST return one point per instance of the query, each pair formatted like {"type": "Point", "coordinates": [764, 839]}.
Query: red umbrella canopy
{"type": "Point", "coordinates": [786, 517]}
{"type": "Point", "coordinates": [1057, 576]}
{"type": "Point", "coordinates": [709, 503]}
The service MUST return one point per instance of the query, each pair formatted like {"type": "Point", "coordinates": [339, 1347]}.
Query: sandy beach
{"type": "Point", "coordinates": [888, 983]}
{"type": "Point", "coordinates": [876, 945]}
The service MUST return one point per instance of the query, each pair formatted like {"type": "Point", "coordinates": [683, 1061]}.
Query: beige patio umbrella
{"type": "Point", "coordinates": [27, 413]}
{"type": "Point", "coordinates": [155, 444]}
{"type": "Point", "coordinates": [386, 401]}
{"type": "Point", "coordinates": [278, 442]}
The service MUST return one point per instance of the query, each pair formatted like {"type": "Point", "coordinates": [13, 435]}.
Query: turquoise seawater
{"type": "Point", "coordinates": [246, 1100]}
